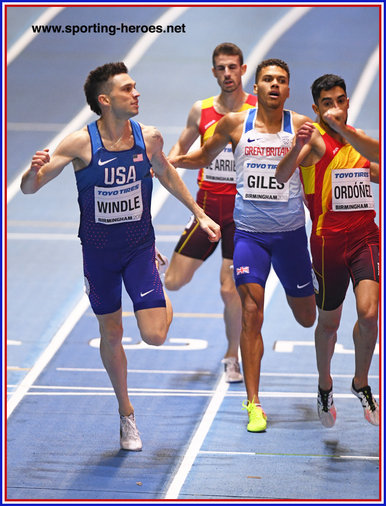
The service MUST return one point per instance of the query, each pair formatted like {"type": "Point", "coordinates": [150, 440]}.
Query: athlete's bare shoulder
{"type": "Point", "coordinates": [77, 144]}
{"type": "Point", "coordinates": [299, 119]}
{"type": "Point", "coordinates": [234, 119]}
{"type": "Point", "coordinates": [153, 139]}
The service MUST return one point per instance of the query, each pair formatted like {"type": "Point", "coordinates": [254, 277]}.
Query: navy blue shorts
{"type": "Point", "coordinates": [286, 251]}
{"type": "Point", "coordinates": [104, 271]}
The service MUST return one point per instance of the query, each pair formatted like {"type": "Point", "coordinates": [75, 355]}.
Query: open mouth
{"type": "Point", "coordinates": [274, 94]}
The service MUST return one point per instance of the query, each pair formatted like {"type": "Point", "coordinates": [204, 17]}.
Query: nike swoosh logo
{"type": "Point", "coordinates": [143, 294]}
{"type": "Point", "coordinates": [302, 286]}
{"type": "Point", "coordinates": [100, 163]}
{"type": "Point", "coordinates": [251, 140]}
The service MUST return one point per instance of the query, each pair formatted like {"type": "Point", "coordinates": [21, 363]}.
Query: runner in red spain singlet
{"type": "Point", "coordinates": [345, 239]}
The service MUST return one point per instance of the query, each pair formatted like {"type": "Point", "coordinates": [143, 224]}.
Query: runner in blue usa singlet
{"type": "Point", "coordinates": [115, 229]}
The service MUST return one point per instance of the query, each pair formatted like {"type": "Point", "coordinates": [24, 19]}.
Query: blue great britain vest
{"type": "Point", "coordinates": [115, 195]}
{"type": "Point", "coordinates": [262, 204]}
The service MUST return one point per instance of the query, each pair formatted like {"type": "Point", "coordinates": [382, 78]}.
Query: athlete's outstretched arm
{"type": "Point", "coordinates": [171, 180]}
{"type": "Point", "coordinates": [212, 147]}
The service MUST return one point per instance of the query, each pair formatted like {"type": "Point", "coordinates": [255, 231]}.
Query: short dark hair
{"type": "Point", "coordinates": [97, 78]}
{"type": "Point", "coordinates": [227, 48]}
{"type": "Point", "coordinates": [326, 82]}
{"type": "Point", "coordinates": [272, 62]}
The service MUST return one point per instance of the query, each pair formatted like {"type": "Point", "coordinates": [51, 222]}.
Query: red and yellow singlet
{"type": "Point", "coordinates": [337, 189]}
{"type": "Point", "coordinates": [220, 176]}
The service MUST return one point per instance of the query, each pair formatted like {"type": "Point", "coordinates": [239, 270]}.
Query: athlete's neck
{"type": "Point", "coordinates": [115, 134]}
{"type": "Point", "coordinates": [269, 120]}
{"type": "Point", "coordinates": [230, 102]}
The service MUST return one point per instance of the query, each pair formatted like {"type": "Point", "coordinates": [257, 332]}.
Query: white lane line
{"type": "Point", "coordinates": [163, 371]}
{"type": "Point", "coordinates": [56, 390]}
{"type": "Point", "coordinates": [28, 36]}
{"type": "Point", "coordinates": [271, 37]}
{"type": "Point", "coordinates": [13, 126]}
{"type": "Point", "coordinates": [47, 354]}
{"type": "Point", "coordinates": [363, 87]}
{"type": "Point", "coordinates": [197, 440]}
{"type": "Point", "coordinates": [134, 371]}
{"type": "Point", "coordinates": [291, 455]}
{"type": "Point", "coordinates": [131, 59]}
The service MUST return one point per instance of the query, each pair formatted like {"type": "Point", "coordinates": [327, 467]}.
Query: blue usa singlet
{"type": "Point", "coordinates": [115, 194]}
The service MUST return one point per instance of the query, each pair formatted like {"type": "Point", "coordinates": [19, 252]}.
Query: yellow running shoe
{"type": "Point", "coordinates": [257, 417]}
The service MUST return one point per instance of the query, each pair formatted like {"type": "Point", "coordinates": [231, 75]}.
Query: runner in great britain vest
{"type": "Point", "coordinates": [262, 204]}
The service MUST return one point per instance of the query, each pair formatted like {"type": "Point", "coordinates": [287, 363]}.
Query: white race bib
{"type": "Point", "coordinates": [222, 168]}
{"type": "Point", "coordinates": [351, 190]}
{"type": "Point", "coordinates": [260, 183]}
{"type": "Point", "coordinates": [118, 204]}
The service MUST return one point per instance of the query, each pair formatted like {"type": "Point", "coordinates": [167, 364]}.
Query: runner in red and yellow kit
{"type": "Point", "coordinates": [345, 239]}
{"type": "Point", "coordinates": [216, 195]}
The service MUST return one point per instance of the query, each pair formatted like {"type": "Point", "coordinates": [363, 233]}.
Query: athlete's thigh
{"type": "Point", "coordinates": [251, 258]}
{"type": "Point", "coordinates": [332, 275]}
{"type": "Point", "coordinates": [194, 242]}
{"type": "Point", "coordinates": [363, 255]}
{"type": "Point", "coordinates": [227, 240]}
{"type": "Point", "coordinates": [103, 279]}
{"type": "Point", "coordinates": [227, 225]}
{"type": "Point", "coordinates": [180, 271]}
{"type": "Point", "coordinates": [142, 281]}
{"type": "Point", "coordinates": [292, 263]}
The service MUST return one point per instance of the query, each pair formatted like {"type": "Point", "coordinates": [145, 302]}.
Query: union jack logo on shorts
{"type": "Point", "coordinates": [242, 270]}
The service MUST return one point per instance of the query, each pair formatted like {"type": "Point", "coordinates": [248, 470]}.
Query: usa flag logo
{"type": "Point", "coordinates": [138, 158]}
{"type": "Point", "coordinates": [242, 270]}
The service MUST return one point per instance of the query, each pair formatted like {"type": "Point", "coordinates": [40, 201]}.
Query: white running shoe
{"type": "Point", "coordinates": [232, 370]}
{"type": "Point", "coordinates": [369, 404]}
{"type": "Point", "coordinates": [326, 408]}
{"type": "Point", "coordinates": [130, 439]}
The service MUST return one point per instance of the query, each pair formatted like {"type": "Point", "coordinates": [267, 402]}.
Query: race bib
{"type": "Point", "coordinates": [351, 190]}
{"type": "Point", "coordinates": [222, 168]}
{"type": "Point", "coordinates": [260, 183]}
{"type": "Point", "coordinates": [118, 204]}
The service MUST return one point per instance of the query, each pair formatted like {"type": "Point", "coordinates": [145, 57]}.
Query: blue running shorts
{"type": "Point", "coordinates": [104, 271]}
{"type": "Point", "coordinates": [286, 251]}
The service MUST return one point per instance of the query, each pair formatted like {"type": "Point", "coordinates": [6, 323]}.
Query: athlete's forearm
{"type": "Point", "coordinates": [30, 182]}
{"type": "Point", "coordinates": [365, 145]}
{"type": "Point", "coordinates": [287, 165]}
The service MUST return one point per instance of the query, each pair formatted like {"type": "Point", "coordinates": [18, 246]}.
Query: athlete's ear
{"type": "Point", "coordinates": [255, 89]}
{"type": "Point", "coordinates": [315, 109]}
{"type": "Point", "coordinates": [103, 99]}
{"type": "Point", "coordinates": [214, 72]}
{"type": "Point", "coordinates": [243, 69]}
{"type": "Point", "coordinates": [348, 102]}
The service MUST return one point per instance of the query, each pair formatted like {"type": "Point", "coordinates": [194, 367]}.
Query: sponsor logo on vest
{"type": "Point", "coordinates": [100, 163]}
